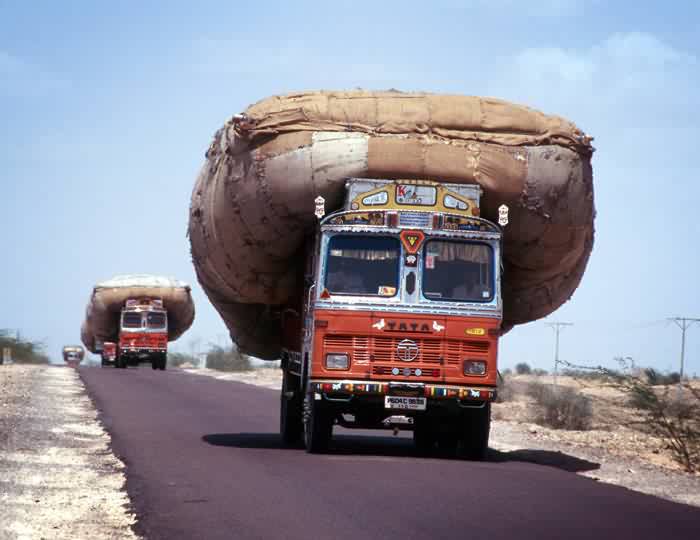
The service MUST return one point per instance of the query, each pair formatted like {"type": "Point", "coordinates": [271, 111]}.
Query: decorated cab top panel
{"type": "Point", "coordinates": [416, 195]}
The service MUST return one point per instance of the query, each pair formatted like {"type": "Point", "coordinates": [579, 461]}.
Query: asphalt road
{"type": "Point", "coordinates": [204, 460]}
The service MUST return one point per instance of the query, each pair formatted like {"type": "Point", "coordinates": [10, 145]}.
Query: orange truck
{"type": "Point", "coordinates": [143, 335]}
{"type": "Point", "coordinates": [400, 319]}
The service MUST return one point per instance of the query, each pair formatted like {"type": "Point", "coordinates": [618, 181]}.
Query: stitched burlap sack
{"type": "Point", "coordinates": [108, 298]}
{"type": "Point", "coordinates": [253, 199]}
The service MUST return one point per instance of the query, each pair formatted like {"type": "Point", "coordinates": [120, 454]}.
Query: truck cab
{"type": "Point", "coordinates": [143, 333]}
{"type": "Point", "coordinates": [401, 318]}
{"type": "Point", "coordinates": [73, 355]}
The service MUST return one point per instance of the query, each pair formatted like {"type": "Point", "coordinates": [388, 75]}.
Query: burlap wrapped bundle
{"type": "Point", "coordinates": [253, 199]}
{"type": "Point", "coordinates": [108, 298]}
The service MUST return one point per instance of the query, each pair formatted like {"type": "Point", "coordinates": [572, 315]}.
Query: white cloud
{"type": "Point", "coordinates": [634, 76]}
{"type": "Point", "coordinates": [555, 63]}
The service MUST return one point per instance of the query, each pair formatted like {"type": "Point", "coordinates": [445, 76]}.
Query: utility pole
{"type": "Point", "coordinates": [683, 323]}
{"type": "Point", "coordinates": [557, 326]}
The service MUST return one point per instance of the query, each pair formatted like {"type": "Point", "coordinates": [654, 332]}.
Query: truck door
{"type": "Point", "coordinates": [310, 286]}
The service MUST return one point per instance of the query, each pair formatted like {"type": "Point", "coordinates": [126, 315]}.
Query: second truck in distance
{"type": "Point", "coordinates": [143, 335]}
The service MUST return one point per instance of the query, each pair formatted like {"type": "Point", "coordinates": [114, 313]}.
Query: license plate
{"type": "Point", "coordinates": [405, 402]}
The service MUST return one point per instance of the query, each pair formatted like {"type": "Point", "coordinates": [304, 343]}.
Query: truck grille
{"type": "Point", "coordinates": [383, 349]}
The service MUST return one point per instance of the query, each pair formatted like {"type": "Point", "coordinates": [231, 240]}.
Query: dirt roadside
{"type": "Point", "coordinates": [610, 452]}
{"type": "Point", "coordinates": [58, 477]}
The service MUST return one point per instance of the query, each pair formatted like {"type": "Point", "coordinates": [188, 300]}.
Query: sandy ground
{"type": "Point", "coordinates": [58, 477]}
{"type": "Point", "coordinates": [610, 452]}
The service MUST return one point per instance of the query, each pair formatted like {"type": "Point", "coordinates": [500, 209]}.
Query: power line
{"type": "Point", "coordinates": [683, 323]}
{"type": "Point", "coordinates": [557, 326]}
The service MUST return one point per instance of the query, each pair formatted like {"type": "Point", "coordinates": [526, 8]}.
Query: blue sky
{"type": "Point", "coordinates": [106, 110]}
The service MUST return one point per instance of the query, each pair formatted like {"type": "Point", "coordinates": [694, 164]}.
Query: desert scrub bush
{"type": "Point", "coordinates": [657, 378]}
{"type": "Point", "coordinates": [671, 413]}
{"type": "Point", "coordinates": [227, 359]}
{"type": "Point", "coordinates": [505, 391]}
{"type": "Point", "coordinates": [523, 368]}
{"type": "Point", "coordinates": [561, 407]}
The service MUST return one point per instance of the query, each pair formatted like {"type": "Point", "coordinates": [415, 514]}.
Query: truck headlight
{"type": "Point", "coordinates": [474, 367]}
{"type": "Point", "coordinates": [337, 361]}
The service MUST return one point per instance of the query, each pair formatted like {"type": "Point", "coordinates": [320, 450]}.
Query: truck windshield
{"type": "Point", "coordinates": [363, 265]}
{"type": "Point", "coordinates": [458, 271]}
{"type": "Point", "coordinates": [131, 319]}
{"type": "Point", "coordinates": [155, 320]}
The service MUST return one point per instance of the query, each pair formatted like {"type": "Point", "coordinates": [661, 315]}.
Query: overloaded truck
{"type": "Point", "coordinates": [444, 222]}
{"type": "Point", "coordinates": [73, 355]}
{"type": "Point", "coordinates": [401, 320]}
{"type": "Point", "coordinates": [143, 335]}
{"type": "Point", "coordinates": [130, 319]}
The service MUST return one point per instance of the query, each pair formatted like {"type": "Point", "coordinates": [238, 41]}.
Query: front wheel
{"type": "Point", "coordinates": [475, 429]}
{"type": "Point", "coordinates": [423, 436]}
{"type": "Point", "coordinates": [318, 425]}
{"type": "Point", "coordinates": [291, 424]}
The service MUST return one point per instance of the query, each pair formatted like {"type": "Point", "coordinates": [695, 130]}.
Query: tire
{"type": "Point", "coordinates": [474, 439]}
{"type": "Point", "coordinates": [291, 411]}
{"type": "Point", "coordinates": [423, 437]}
{"type": "Point", "coordinates": [155, 363]}
{"type": "Point", "coordinates": [120, 362]}
{"type": "Point", "coordinates": [318, 425]}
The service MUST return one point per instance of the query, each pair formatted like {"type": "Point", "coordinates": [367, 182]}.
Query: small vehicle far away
{"type": "Point", "coordinates": [73, 355]}
{"type": "Point", "coordinates": [143, 335]}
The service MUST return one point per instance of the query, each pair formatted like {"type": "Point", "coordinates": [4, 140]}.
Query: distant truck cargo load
{"type": "Point", "coordinates": [73, 354]}
{"type": "Point", "coordinates": [130, 319]}
{"type": "Point", "coordinates": [270, 169]}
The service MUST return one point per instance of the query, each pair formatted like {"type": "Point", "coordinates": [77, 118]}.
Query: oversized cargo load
{"type": "Point", "coordinates": [253, 201]}
{"type": "Point", "coordinates": [108, 298]}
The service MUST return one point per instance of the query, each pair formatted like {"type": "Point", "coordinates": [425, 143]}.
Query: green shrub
{"type": "Point", "coordinates": [23, 351]}
{"type": "Point", "coordinates": [657, 378]}
{"type": "Point", "coordinates": [505, 392]}
{"type": "Point", "coordinates": [176, 359]}
{"type": "Point", "coordinates": [671, 413]}
{"type": "Point", "coordinates": [523, 368]}
{"type": "Point", "coordinates": [227, 359]}
{"type": "Point", "coordinates": [561, 407]}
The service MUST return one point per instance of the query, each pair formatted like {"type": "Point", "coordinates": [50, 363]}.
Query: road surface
{"type": "Point", "coordinates": [204, 460]}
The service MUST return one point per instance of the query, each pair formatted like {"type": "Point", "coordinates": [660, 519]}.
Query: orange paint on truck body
{"type": "Point", "coordinates": [137, 341]}
{"type": "Point", "coordinates": [441, 344]}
